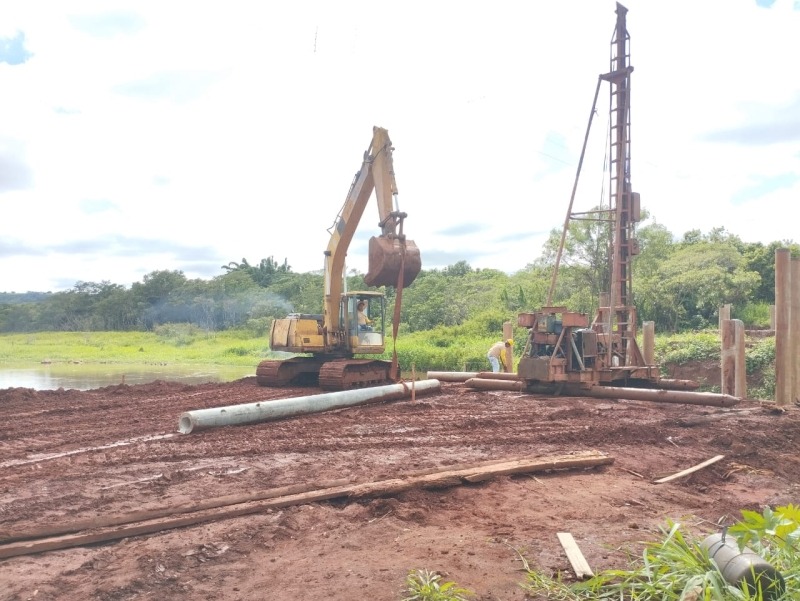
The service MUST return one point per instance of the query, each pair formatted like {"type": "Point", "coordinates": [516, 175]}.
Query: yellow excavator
{"type": "Point", "coordinates": [330, 341]}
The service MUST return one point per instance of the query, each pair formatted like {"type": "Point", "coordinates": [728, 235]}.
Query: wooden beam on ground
{"type": "Point", "coordinates": [576, 559]}
{"type": "Point", "coordinates": [164, 512]}
{"type": "Point", "coordinates": [691, 470]}
{"type": "Point", "coordinates": [439, 479]}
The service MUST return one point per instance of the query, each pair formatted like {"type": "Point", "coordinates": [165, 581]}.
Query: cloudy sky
{"type": "Point", "coordinates": [142, 135]}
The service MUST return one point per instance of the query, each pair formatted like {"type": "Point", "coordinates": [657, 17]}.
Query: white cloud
{"type": "Point", "coordinates": [236, 129]}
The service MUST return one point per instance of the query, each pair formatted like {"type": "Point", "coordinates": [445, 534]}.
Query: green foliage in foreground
{"type": "Point", "coordinates": [678, 568]}
{"type": "Point", "coordinates": [424, 585]}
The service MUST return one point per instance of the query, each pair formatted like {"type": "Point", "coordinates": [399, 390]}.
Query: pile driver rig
{"type": "Point", "coordinates": [563, 346]}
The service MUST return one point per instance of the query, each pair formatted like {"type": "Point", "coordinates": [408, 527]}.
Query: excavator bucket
{"type": "Point", "coordinates": [387, 258]}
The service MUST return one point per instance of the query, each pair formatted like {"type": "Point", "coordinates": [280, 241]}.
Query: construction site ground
{"type": "Point", "coordinates": [80, 458]}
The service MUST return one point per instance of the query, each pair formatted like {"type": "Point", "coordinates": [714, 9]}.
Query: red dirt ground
{"type": "Point", "coordinates": [67, 455]}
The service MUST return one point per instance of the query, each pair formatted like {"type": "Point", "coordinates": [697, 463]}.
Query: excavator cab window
{"type": "Point", "coordinates": [363, 316]}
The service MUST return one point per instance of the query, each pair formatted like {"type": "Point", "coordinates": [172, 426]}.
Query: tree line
{"type": "Point", "coordinates": [678, 283]}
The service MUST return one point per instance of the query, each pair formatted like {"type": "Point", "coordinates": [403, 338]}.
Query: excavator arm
{"type": "Point", "coordinates": [390, 254]}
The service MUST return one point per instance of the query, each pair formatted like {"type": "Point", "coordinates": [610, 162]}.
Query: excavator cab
{"type": "Point", "coordinates": [362, 316]}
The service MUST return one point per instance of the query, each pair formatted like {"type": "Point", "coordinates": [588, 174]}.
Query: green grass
{"type": "Point", "coordinates": [168, 344]}
{"type": "Point", "coordinates": [173, 343]}
{"type": "Point", "coordinates": [441, 349]}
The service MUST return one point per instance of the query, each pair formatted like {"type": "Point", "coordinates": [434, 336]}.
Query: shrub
{"type": "Point", "coordinates": [423, 585]}
{"type": "Point", "coordinates": [678, 567]}
{"type": "Point", "coordinates": [177, 334]}
{"type": "Point", "coordinates": [761, 355]}
{"type": "Point", "coordinates": [690, 346]}
{"type": "Point", "coordinates": [753, 315]}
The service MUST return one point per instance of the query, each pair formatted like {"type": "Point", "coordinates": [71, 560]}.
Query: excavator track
{"type": "Point", "coordinates": [287, 372]}
{"type": "Point", "coordinates": [336, 374]}
{"type": "Point", "coordinates": [344, 374]}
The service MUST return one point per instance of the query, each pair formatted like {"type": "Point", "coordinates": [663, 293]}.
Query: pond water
{"type": "Point", "coordinates": [87, 376]}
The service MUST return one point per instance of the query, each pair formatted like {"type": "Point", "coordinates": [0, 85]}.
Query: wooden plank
{"type": "Point", "coordinates": [525, 466]}
{"type": "Point", "coordinates": [481, 473]}
{"type": "Point", "coordinates": [690, 470]}
{"type": "Point", "coordinates": [443, 478]}
{"type": "Point", "coordinates": [576, 559]}
{"type": "Point", "coordinates": [164, 512]}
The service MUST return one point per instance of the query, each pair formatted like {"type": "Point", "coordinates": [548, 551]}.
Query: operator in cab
{"type": "Point", "coordinates": [364, 322]}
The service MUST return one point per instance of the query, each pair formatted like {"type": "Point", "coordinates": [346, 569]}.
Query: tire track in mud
{"type": "Point", "coordinates": [56, 421]}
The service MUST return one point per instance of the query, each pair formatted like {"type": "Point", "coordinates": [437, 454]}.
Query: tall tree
{"type": "Point", "coordinates": [585, 265]}
{"type": "Point", "coordinates": [693, 282]}
{"type": "Point", "coordinates": [262, 274]}
{"type": "Point", "coordinates": [761, 259]}
{"type": "Point", "coordinates": [158, 296]}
